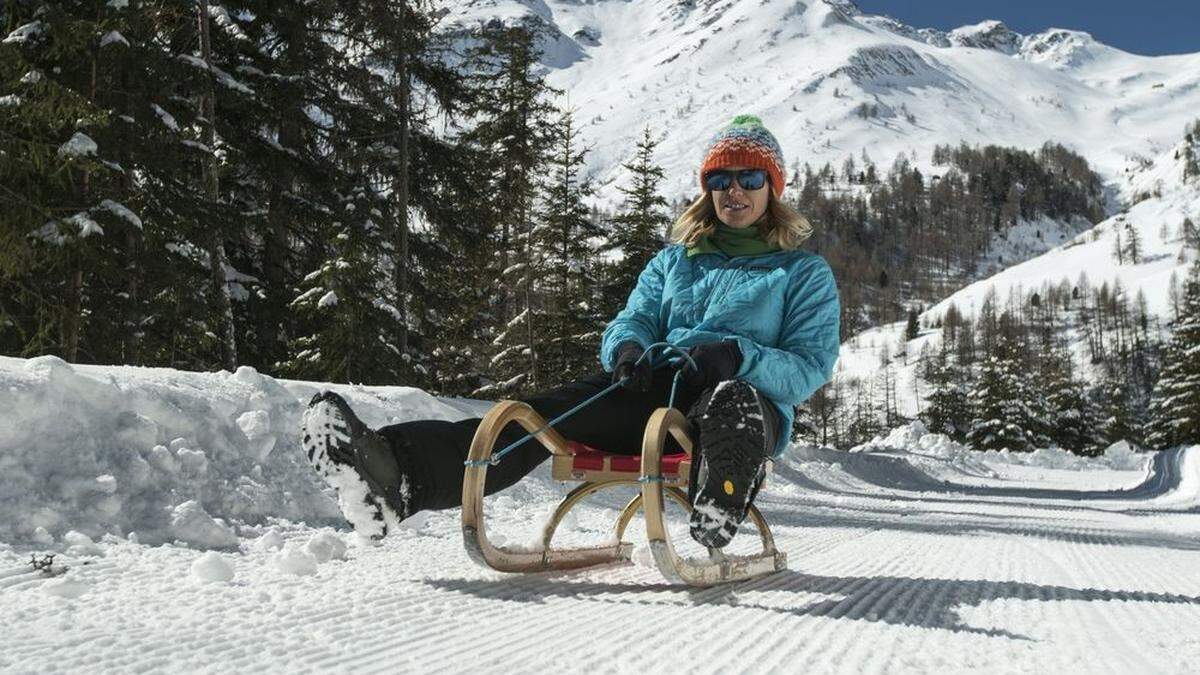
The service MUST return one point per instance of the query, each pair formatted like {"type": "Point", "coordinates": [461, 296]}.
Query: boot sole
{"type": "Point", "coordinates": [734, 452]}
{"type": "Point", "coordinates": [328, 429]}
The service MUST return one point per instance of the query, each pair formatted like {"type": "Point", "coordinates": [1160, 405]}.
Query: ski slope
{"type": "Point", "coordinates": [909, 554]}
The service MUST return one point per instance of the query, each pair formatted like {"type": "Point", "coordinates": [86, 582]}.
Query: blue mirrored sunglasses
{"type": "Point", "coordinates": [722, 179]}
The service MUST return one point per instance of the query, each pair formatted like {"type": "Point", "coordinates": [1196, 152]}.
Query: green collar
{"type": "Point", "coordinates": [732, 242]}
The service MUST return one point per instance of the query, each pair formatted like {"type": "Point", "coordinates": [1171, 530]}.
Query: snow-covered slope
{"type": "Point", "coordinates": [908, 555]}
{"type": "Point", "coordinates": [1157, 221]}
{"type": "Point", "coordinates": [804, 66]}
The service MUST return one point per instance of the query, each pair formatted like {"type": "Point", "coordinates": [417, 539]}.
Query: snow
{"type": "Point", "coordinates": [79, 145]}
{"type": "Point", "coordinates": [326, 546]}
{"type": "Point", "coordinates": [24, 32]}
{"type": "Point", "coordinates": [87, 226]}
{"type": "Point", "coordinates": [113, 37]}
{"type": "Point", "coordinates": [192, 524]}
{"type": "Point", "coordinates": [328, 300]}
{"type": "Point", "coordinates": [193, 61]}
{"type": "Point", "coordinates": [911, 555]}
{"type": "Point", "coordinates": [168, 454]}
{"type": "Point", "coordinates": [294, 560]}
{"type": "Point", "coordinates": [167, 118]}
{"type": "Point", "coordinates": [227, 80]}
{"type": "Point", "coordinates": [812, 63]}
{"type": "Point", "coordinates": [121, 211]}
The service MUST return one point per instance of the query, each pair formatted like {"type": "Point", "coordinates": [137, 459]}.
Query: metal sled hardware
{"type": "Point", "coordinates": [658, 477]}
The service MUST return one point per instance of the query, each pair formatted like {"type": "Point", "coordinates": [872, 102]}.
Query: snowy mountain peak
{"type": "Point", "coordinates": [1061, 48]}
{"type": "Point", "coordinates": [991, 34]}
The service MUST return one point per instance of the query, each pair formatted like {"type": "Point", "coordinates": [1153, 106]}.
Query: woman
{"type": "Point", "coordinates": [758, 317]}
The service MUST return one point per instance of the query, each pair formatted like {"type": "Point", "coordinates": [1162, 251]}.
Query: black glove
{"type": "Point", "coordinates": [639, 375]}
{"type": "Point", "coordinates": [716, 361]}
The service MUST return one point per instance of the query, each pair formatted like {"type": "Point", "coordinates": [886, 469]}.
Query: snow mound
{"type": "Point", "coordinates": [172, 455]}
{"type": "Point", "coordinates": [212, 567]}
{"type": "Point", "coordinates": [326, 546]}
{"type": "Point", "coordinates": [192, 524]}
{"type": "Point", "coordinates": [293, 559]}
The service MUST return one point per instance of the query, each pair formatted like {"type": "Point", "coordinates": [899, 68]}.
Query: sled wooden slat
{"type": "Point", "coordinates": [475, 535]}
{"type": "Point", "coordinates": [657, 477]}
{"type": "Point", "coordinates": [720, 568]}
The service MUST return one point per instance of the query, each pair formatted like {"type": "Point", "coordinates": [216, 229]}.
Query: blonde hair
{"type": "Point", "coordinates": [780, 224]}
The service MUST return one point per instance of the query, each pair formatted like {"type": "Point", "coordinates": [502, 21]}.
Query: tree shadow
{"type": "Point", "coordinates": [901, 601]}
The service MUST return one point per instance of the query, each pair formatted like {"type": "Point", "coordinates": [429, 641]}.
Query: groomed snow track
{"type": "Point", "coordinates": [895, 567]}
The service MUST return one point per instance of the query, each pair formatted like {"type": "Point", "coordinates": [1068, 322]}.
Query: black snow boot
{"type": "Point", "coordinates": [375, 489]}
{"type": "Point", "coordinates": [733, 456]}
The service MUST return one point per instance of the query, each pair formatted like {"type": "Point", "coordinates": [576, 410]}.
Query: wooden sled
{"type": "Point", "coordinates": [658, 477]}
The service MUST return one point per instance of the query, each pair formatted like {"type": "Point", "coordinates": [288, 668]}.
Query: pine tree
{"type": "Point", "coordinates": [54, 173]}
{"type": "Point", "coordinates": [349, 328]}
{"type": "Point", "coordinates": [1118, 420]}
{"type": "Point", "coordinates": [638, 230]}
{"type": "Point", "coordinates": [514, 132]}
{"type": "Point", "coordinates": [1174, 409]}
{"type": "Point", "coordinates": [822, 411]}
{"type": "Point", "coordinates": [947, 408]}
{"type": "Point", "coordinates": [912, 327]}
{"type": "Point", "coordinates": [410, 84]}
{"type": "Point", "coordinates": [1191, 163]}
{"type": "Point", "coordinates": [1133, 244]}
{"type": "Point", "coordinates": [1191, 234]}
{"type": "Point", "coordinates": [1072, 419]}
{"type": "Point", "coordinates": [561, 250]}
{"type": "Point", "coordinates": [864, 421]}
{"type": "Point", "coordinates": [1005, 411]}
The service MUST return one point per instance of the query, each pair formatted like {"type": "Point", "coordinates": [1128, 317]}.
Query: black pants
{"type": "Point", "coordinates": [614, 423]}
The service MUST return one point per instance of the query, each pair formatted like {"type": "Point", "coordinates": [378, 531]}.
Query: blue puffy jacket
{"type": "Point", "coordinates": [781, 308]}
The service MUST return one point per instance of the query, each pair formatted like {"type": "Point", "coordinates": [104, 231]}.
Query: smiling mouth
{"type": "Point", "coordinates": [736, 207]}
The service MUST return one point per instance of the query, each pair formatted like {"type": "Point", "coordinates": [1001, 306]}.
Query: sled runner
{"type": "Point", "coordinates": [657, 476]}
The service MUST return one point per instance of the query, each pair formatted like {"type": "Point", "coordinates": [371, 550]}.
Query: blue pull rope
{"type": "Point", "coordinates": [496, 456]}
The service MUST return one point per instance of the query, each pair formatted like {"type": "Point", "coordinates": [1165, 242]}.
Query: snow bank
{"type": "Point", "coordinates": [1185, 496]}
{"type": "Point", "coordinates": [916, 439]}
{"type": "Point", "coordinates": [170, 455]}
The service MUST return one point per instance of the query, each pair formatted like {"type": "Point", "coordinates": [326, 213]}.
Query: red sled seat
{"type": "Point", "coordinates": [592, 465]}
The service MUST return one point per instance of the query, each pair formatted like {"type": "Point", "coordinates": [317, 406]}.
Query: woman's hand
{"type": "Point", "coordinates": [715, 362]}
{"type": "Point", "coordinates": [639, 374]}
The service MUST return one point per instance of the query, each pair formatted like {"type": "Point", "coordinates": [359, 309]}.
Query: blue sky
{"type": "Point", "coordinates": [1138, 26]}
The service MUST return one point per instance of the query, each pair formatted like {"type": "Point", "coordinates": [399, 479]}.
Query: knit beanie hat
{"type": "Point", "coordinates": [745, 142]}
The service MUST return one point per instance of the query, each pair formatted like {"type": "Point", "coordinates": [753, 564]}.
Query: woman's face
{"type": "Point", "coordinates": [737, 207]}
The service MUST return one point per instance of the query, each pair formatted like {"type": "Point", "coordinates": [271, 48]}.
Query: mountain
{"type": "Point", "coordinates": [685, 67]}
